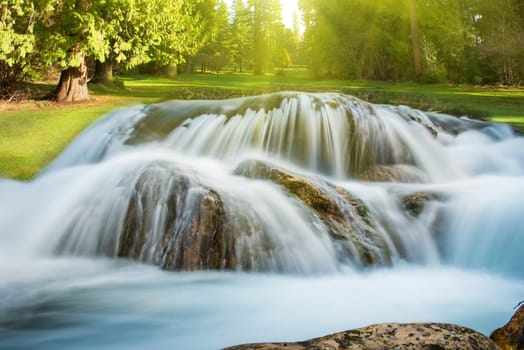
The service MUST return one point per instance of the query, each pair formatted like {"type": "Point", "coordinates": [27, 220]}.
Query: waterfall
{"type": "Point", "coordinates": [289, 182]}
{"type": "Point", "coordinates": [338, 204]}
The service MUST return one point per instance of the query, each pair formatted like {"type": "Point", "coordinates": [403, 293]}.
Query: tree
{"type": "Point", "coordinates": [415, 38]}
{"type": "Point", "coordinates": [266, 20]}
{"type": "Point", "coordinates": [241, 35]}
{"type": "Point", "coordinates": [215, 53]}
{"type": "Point", "coordinates": [127, 32]}
{"type": "Point", "coordinates": [124, 23]}
{"type": "Point", "coordinates": [17, 44]}
{"type": "Point", "coordinates": [180, 30]}
{"type": "Point", "coordinates": [356, 39]}
{"type": "Point", "coordinates": [500, 38]}
{"type": "Point", "coordinates": [73, 33]}
{"type": "Point", "coordinates": [385, 40]}
{"type": "Point", "coordinates": [204, 31]}
{"type": "Point", "coordinates": [258, 36]}
{"type": "Point", "coordinates": [140, 31]}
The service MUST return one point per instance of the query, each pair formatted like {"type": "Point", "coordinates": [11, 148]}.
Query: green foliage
{"type": "Point", "coordinates": [241, 36]}
{"type": "Point", "coordinates": [214, 52]}
{"type": "Point", "coordinates": [70, 31]}
{"type": "Point", "coordinates": [476, 41]}
{"type": "Point", "coordinates": [17, 43]}
{"type": "Point", "coordinates": [500, 38]}
{"type": "Point", "coordinates": [61, 33]}
{"type": "Point", "coordinates": [479, 41]}
{"type": "Point", "coordinates": [175, 29]}
{"type": "Point", "coordinates": [267, 25]}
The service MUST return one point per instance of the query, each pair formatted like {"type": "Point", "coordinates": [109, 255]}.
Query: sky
{"type": "Point", "coordinates": [288, 7]}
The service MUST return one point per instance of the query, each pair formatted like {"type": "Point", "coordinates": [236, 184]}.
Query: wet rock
{"type": "Point", "coordinates": [309, 193]}
{"type": "Point", "coordinates": [415, 203]}
{"type": "Point", "coordinates": [162, 118]}
{"type": "Point", "coordinates": [345, 216]}
{"type": "Point", "coordinates": [417, 336]}
{"type": "Point", "coordinates": [511, 336]}
{"type": "Point", "coordinates": [394, 173]}
{"type": "Point", "coordinates": [175, 225]}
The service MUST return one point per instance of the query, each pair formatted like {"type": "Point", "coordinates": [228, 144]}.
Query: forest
{"type": "Point", "coordinates": [458, 41]}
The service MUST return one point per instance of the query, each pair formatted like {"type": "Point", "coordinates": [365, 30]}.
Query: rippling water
{"type": "Point", "coordinates": [83, 304]}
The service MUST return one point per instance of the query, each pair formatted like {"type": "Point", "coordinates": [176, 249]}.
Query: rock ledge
{"type": "Point", "coordinates": [414, 336]}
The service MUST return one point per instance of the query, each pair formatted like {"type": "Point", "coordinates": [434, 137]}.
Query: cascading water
{"type": "Point", "coordinates": [345, 206]}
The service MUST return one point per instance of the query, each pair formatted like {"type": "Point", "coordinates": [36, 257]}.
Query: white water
{"type": "Point", "coordinates": [458, 261]}
{"type": "Point", "coordinates": [85, 304]}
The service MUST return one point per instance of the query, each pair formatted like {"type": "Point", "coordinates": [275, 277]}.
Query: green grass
{"type": "Point", "coordinates": [30, 140]}
{"type": "Point", "coordinates": [33, 133]}
{"type": "Point", "coordinates": [492, 103]}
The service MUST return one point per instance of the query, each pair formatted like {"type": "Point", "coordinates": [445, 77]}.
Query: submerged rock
{"type": "Point", "coordinates": [178, 223]}
{"type": "Point", "coordinates": [511, 336]}
{"type": "Point", "coordinates": [415, 203]}
{"type": "Point", "coordinates": [416, 336]}
{"type": "Point", "coordinates": [394, 173]}
{"type": "Point", "coordinates": [345, 216]}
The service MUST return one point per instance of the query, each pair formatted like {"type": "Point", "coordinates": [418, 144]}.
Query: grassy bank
{"type": "Point", "coordinates": [32, 133]}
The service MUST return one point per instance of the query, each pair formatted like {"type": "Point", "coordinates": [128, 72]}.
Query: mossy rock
{"type": "Point", "coordinates": [416, 336]}
{"type": "Point", "coordinates": [403, 173]}
{"type": "Point", "coordinates": [346, 217]}
{"type": "Point", "coordinates": [511, 336]}
{"type": "Point", "coordinates": [414, 203]}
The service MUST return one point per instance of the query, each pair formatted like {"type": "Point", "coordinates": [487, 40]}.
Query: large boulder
{"type": "Point", "coordinates": [416, 336]}
{"type": "Point", "coordinates": [511, 336]}
{"type": "Point", "coordinates": [346, 217]}
{"type": "Point", "coordinates": [175, 224]}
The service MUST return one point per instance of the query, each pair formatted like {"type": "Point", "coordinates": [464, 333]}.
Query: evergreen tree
{"type": "Point", "coordinates": [241, 36]}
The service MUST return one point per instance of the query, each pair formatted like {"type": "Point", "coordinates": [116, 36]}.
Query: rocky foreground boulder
{"type": "Point", "coordinates": [511, 336]}
{"type": "Point", "coordinates": [416, 336]}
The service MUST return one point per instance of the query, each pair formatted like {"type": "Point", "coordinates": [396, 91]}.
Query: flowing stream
{"type": "Point", "coordinates": [277, 217]}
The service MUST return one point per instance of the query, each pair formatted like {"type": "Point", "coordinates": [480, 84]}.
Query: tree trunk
{"type": "Point", "coordinates": [189, 65]}
{"type": "Point", "coordinates": [171, 71]}
{"type": "Point", "coordinates": [72, 86]}
{"type": "Point", "coordinates": [258, 38]}
{"type": "Point", "coordinates": [415, 38]}
{"type": "Point", "coordinates": [103, 72]}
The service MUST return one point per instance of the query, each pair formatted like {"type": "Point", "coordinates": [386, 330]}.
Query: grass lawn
{"type": "Point", "coordinates": [32, 133]}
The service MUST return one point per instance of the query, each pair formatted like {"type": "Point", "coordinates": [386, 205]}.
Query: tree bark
{"type": "Point", "coordinates": [72, 86]}
{"type": "Point", "coordinates": [189, 65]}
{"type": "Point", "coordinates": [103, 72]}
{"type": "Point", "coordinates": [258, 38]}
{"type": "Point", "coordinates": [415, 38]}
{"type": "Point", "coordinates": [171, 70]}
